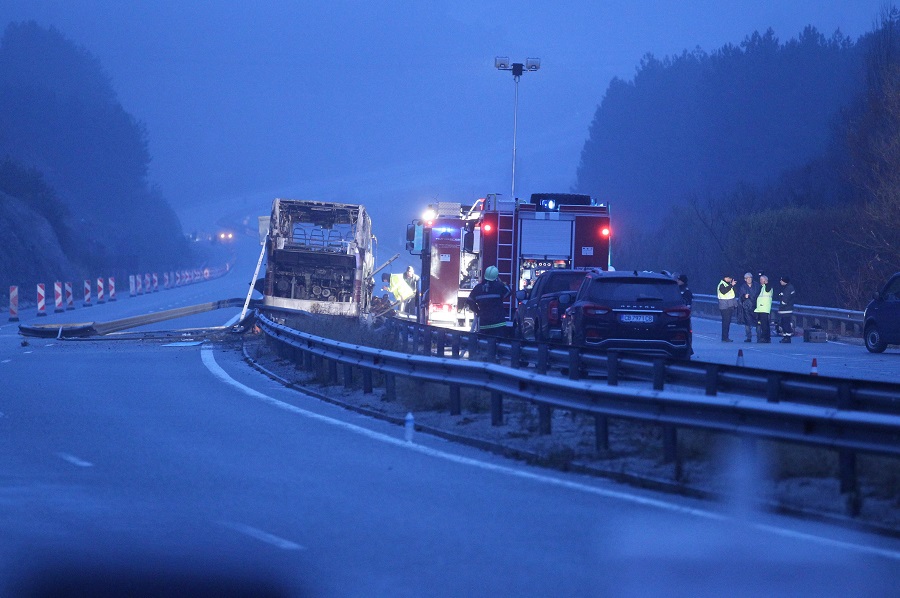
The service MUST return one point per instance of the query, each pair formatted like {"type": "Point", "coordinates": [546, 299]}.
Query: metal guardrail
{"type": "Point", "coordinates": [844, 322]}
{"type": "Point", "coordinates": [711, 378]}
{"type": "Point", "coordinates": [844, 429]}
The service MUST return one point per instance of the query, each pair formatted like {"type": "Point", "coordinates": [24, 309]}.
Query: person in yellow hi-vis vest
{"type": "Point", "coordinates": [763, 309]}
{"type": "Point", "coordinates": [397, 287]}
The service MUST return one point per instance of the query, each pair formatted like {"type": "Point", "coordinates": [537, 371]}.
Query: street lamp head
{"type": "Point", "coordinates": [501, 62]}
{"type": "Point", "coordinates": [532, 64]}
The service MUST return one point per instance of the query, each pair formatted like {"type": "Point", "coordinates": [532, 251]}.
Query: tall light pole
{"type": "Point", "coordinates": [531, 64]}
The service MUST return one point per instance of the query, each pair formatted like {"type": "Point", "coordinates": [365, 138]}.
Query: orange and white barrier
{"type": "Point", "coordinates": [166, 280]}
{"type": "Point", "coordinates": [13, 304]}
{"type": "Point", "coordinates": [87, 293]}
{"type": "Point", "coordinates": [814, 371]}
{"type": "Point", "coordinates": [58, 297]}
{"type": "Point", "coordinates": [132, 288]}
{"type": "Point", "coordinates": [147, 287]}
{"type": "Point", "coordinates": [101, 297]}
{"type": "Point", "coordinates": [111, 281]}
{"type": "Point", "coordinates": [155, 283]}
{"type": "Point", "coordinates": [139, 284]}
{"type": "Point", "coordinates": [70, 298]}
{"type": "Point", "coordinates": [41, 300]}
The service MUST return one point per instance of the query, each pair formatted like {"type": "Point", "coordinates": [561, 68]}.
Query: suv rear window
{"type": "Point", "coordinates": [632, 290]}
{"type": "Point", "coordinates": [564, 282]}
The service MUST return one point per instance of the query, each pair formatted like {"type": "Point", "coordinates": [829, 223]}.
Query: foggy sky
{"type": "Point", "coordinates": [390, 104]}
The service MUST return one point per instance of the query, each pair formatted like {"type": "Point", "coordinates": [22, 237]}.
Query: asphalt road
{"type": "Point", "coordinates": [137, 461]}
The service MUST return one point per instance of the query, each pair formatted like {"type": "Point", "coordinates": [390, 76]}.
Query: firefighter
{"type": "Point", "coordinates": [397, 287]}
{"type": "Point", "coordinates": [486, 301]}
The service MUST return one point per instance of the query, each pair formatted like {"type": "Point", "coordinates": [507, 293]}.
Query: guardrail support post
{"type": "Point", "coordinates": [545, 418]}
{"type": "Point", "coordinates": [847, 459]}
{"type": "Point", "coordinates": [390, 387]}
{"type": "Point", "coordinates": [307, 361]}
{"type": "Point", "coordinates": [439, 343]}
{"type": "Point", "coordinates": [773, 388]}
{"type": "Point", "coordinates": [473, 346]}
{"type": "Point", "coordinates": [612, 370]}
{"type": "Point", "coordinates": [455, 402]}
{"type": "Point", "coordinates": [543, 359]}
{"type": "Point", "coordinates": [659, 374]}
{"type": "Point", "coordinates": [332, 372]}
{"type": "Point", "coordinates": [404, 339]}
{"type": "Point", "coordinates": [712, 379]}
{"type": "Point", "coordinates": [670, 443]}
{"type": "Point", "coordinates": [492, 349]}
{"type": "Point", "coordinates": [348, 375]}
{"type": "Point", "coordinates": [367, 381]}
{"type": "Point", "coordinates": [515, 354]}
{"type": "Point", "coordinates": [426, 341]}
{"type": "Point", "coordinates": [601, 433]}
{"type": "Point", "coordinates": [496, 408]}
{"type": "Point", "coordinates": [574, 363]}
{"type": "Point", "coordinates": [454, 346]}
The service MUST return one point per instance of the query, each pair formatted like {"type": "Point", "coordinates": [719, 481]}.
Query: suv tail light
{"type": "Point", "coordinates": [595, 310]}
{"type": "Point", "coordinates": [682, 313]}
{"type": "Point", "coordinates": [553, 311]}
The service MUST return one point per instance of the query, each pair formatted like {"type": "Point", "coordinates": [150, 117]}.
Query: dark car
{"type": "Point", "coordinates": [538, 315]}
{"type": "Point", "coordinates": [630, 311]}
{"type": "Point", "coordinates": [881, 322]}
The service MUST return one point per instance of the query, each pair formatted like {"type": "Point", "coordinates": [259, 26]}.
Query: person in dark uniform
{"type": "Point", "coordinates": [486, 301]}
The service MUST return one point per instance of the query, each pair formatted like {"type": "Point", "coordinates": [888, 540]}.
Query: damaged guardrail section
{"type": "Point", "coordinates": [845, 430]}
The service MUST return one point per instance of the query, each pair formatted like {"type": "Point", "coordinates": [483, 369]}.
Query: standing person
{"type": "Point", "coordinates": [747, 293]}
{"type": "Point", "coordinates": [486, 300]}
{"type": "Point", "coordinates": [686, 295]}
{"type": "Point", "coordinates": [763, 309]}
{"type": "Point", "coordinates": [786, 309]}
{"type": "Point", "coordinates": [412, 280]}
{"type": "Point", "coordinates": [727, 302]}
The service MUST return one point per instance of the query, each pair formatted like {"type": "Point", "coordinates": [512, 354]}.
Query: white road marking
{"type": "Point", "coordinates": [74, 460]}
{"type": "Point", "coordinates": [262, 536]}
{"type": "Point", "coordinates": [209, 361]}
{"type": "Point", "coordinates": [6, 361]}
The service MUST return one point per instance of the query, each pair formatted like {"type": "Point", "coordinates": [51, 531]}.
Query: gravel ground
{"type": "Point", "coordinates": [789, 479]}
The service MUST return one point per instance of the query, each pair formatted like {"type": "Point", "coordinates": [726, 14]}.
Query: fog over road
{"type": "Point", "coordinates": [172, 457]}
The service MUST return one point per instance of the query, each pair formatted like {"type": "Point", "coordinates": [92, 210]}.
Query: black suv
{"type": "Point", "coordinates": [881, 322]}
{"type": "Point", "coordinates": [538, 315]}
{"type": "Point", "coordinates": [630, 311]}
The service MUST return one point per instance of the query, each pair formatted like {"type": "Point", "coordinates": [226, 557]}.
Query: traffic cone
{"type": "Point", "coordinates": [815, 368]}
{"type": "Point", "coordinates": [740, 359]}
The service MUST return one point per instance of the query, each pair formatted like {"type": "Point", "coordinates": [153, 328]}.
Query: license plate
{"type": "Point", "coordinates": [636, 319]}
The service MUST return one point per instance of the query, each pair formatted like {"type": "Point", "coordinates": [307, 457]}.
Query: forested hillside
{"type": "Point", "coordinates": [768, 156]}
{"type": "Point", "coordinates": [74, 194]}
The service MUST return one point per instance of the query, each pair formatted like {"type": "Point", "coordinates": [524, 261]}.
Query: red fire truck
{"type": "Point", "coordinates": [521, 238]}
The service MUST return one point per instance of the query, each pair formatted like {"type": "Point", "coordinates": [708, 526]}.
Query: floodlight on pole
{"type": "Point", "coordinates": [531, 64]}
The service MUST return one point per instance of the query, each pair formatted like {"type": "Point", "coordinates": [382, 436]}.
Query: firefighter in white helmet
{"type": "Point", "coordinates": [486, 300]}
